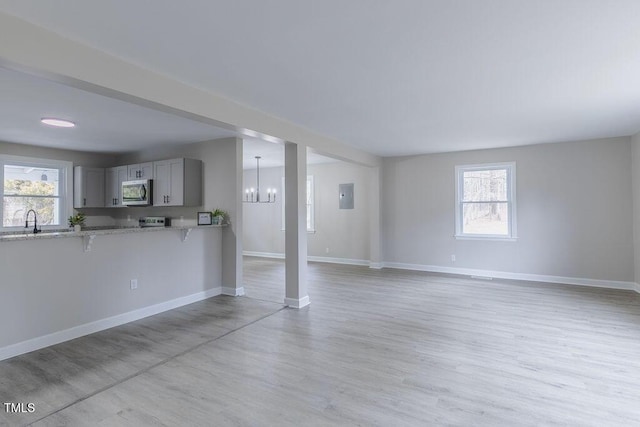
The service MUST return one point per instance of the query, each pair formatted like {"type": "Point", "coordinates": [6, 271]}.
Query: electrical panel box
{"type": "Point", "coordinates": [346, 196]}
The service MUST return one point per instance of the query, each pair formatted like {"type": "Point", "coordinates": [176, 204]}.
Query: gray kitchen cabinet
{"type": "Point", "coordinates": [140, 171]}
{"type": "Point", "coordinates": [88, 187]}
{"type": "Point", "coordinates": [114, 177]}
{"type": "Point", "coordinates": [177, 182]}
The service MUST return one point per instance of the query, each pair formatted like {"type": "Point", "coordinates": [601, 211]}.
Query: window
{"type": "Point", "coordinates": [485, 201]}
{"type": "Point", "coordinates": [37, 184]}
{"type": "Point", "coordinates": [311, 223]}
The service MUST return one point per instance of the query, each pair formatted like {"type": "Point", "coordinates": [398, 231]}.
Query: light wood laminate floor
{"type": "Point", "coordinates": [376, 347]}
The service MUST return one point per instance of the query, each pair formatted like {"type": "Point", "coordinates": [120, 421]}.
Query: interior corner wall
{"type": "Point", "coordinates": [574, 211]}
{"type": "Point", "coordinates": [635, 159]}
{"type": "Point", "coordinates": [345, 232]}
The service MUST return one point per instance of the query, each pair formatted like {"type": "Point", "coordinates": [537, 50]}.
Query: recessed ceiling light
{"type": "Point", "coordinates": [57, 122]}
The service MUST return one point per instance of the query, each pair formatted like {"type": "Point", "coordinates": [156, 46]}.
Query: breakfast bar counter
{"type": "Point", "coordinates": [96, 231]}
{"type": "Point", "coordinates": [58, 285]}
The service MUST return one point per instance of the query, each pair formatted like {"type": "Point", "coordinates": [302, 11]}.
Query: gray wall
{"type": "Point", "coordinates": [51, 285]}
{"type": "Point", "coordinates": [222, 166]}
{"type": "Point", "coordinates": [218, 169]}
{"type": "Point", "coordinates": [344, 231]}
{"type": "Point", "coordinates": [574, 211]}
{"type": "Point", "coordinates": [635, 156]}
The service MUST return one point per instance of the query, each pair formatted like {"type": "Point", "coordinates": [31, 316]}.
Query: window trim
{"type": "Point", "coordinates": [510, 167]}
{"type": "Point", "coordinates": [65, 190]}
{"type": "Point", "coordinates": [311, 209]}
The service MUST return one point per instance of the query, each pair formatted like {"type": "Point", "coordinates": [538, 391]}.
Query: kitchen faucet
{"type": "Point", "coordinates": [35, 221]}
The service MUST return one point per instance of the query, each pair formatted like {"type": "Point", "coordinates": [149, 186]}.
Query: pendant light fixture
{"type": "Point", "coordinates": [252, 195]}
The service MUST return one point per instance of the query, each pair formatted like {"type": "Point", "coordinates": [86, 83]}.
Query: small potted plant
{"type": "Point", "coordinates": [77, 221]}
{"type": "Point", "coordinates": [218, 216]}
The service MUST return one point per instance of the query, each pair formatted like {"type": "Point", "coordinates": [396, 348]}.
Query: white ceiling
{"type": "Point", "coordinates": [105, 124]}
{"type": "Point", "coordinates": [272, 155]}
{"type": "Point", "coordinates": [393, 78]}
{"type": "Point", "coordinates": [102, 124]}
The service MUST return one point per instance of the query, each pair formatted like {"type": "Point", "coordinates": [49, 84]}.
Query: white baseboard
{"type": "Point", "coordinates": [297, 303]}
{"type": "Point", "coordinates": [234, 292]}
{"type": "Point", "coordinates": [330, 260]}
{"type": "Point", "coordinates": [613, 284]}
{"type": "Point", "coordinates": [102, 324]}
{"type": "Point", "coordinates": [263, 254]}
{"type": "Point", "coordinates": [312, 258]}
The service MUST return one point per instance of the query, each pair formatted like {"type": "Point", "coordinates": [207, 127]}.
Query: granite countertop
{"type": "Point", "coordinates": [10, 236]}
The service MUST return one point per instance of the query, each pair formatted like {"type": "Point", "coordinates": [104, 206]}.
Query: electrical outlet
{"type": "Point", "coordinates": [453, 258]}
{"type": "Point", "coordinates": [327, 250]}
{"type": "Point", "coordinates": [134, 284]}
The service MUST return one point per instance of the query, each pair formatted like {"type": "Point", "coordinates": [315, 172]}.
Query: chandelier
{"type": "Point", "coordinates": [252, 195]}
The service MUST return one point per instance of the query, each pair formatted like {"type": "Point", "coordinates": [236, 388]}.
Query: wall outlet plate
{"type": "Point", "coordinates": [134, 284]}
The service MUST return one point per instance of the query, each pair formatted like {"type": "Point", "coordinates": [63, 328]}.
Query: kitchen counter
{"type": "Point", "coordinates": [59, 285]}
{"type": "Point", "coordinates": [89, 233]}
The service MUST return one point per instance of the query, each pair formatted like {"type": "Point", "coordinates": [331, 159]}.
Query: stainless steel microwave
{"type": "Point", "coordinates": [137, 193]}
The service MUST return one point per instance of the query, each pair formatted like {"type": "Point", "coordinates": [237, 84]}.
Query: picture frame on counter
{"type": "Point", "coordinates": [205, 218]}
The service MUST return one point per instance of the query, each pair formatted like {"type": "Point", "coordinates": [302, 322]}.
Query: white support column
{"type": "Point", "coordinates": [232, 282]}
{"type": "Point", "coordinates": [295, 210]}
{"type": "Point", "coordinates": [375, 245]}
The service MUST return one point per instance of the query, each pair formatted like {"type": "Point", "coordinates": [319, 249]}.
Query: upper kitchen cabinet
{"type": "Point", "coordinates": [140, 171]}
{"type": "Point", "coordinates": [114, 177]}
{"type": "Point", "coordinates": [88, 187]}
{"type": "Point", "coordinates": [177, 182]}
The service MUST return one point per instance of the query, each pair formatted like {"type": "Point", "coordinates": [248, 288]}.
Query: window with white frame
{"type": "Point", "coordinates": [38, 184]}
{"type": "Point", "coordinates": [486, 201]}
{"type": "Point", "coordinates": [311, 224]}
